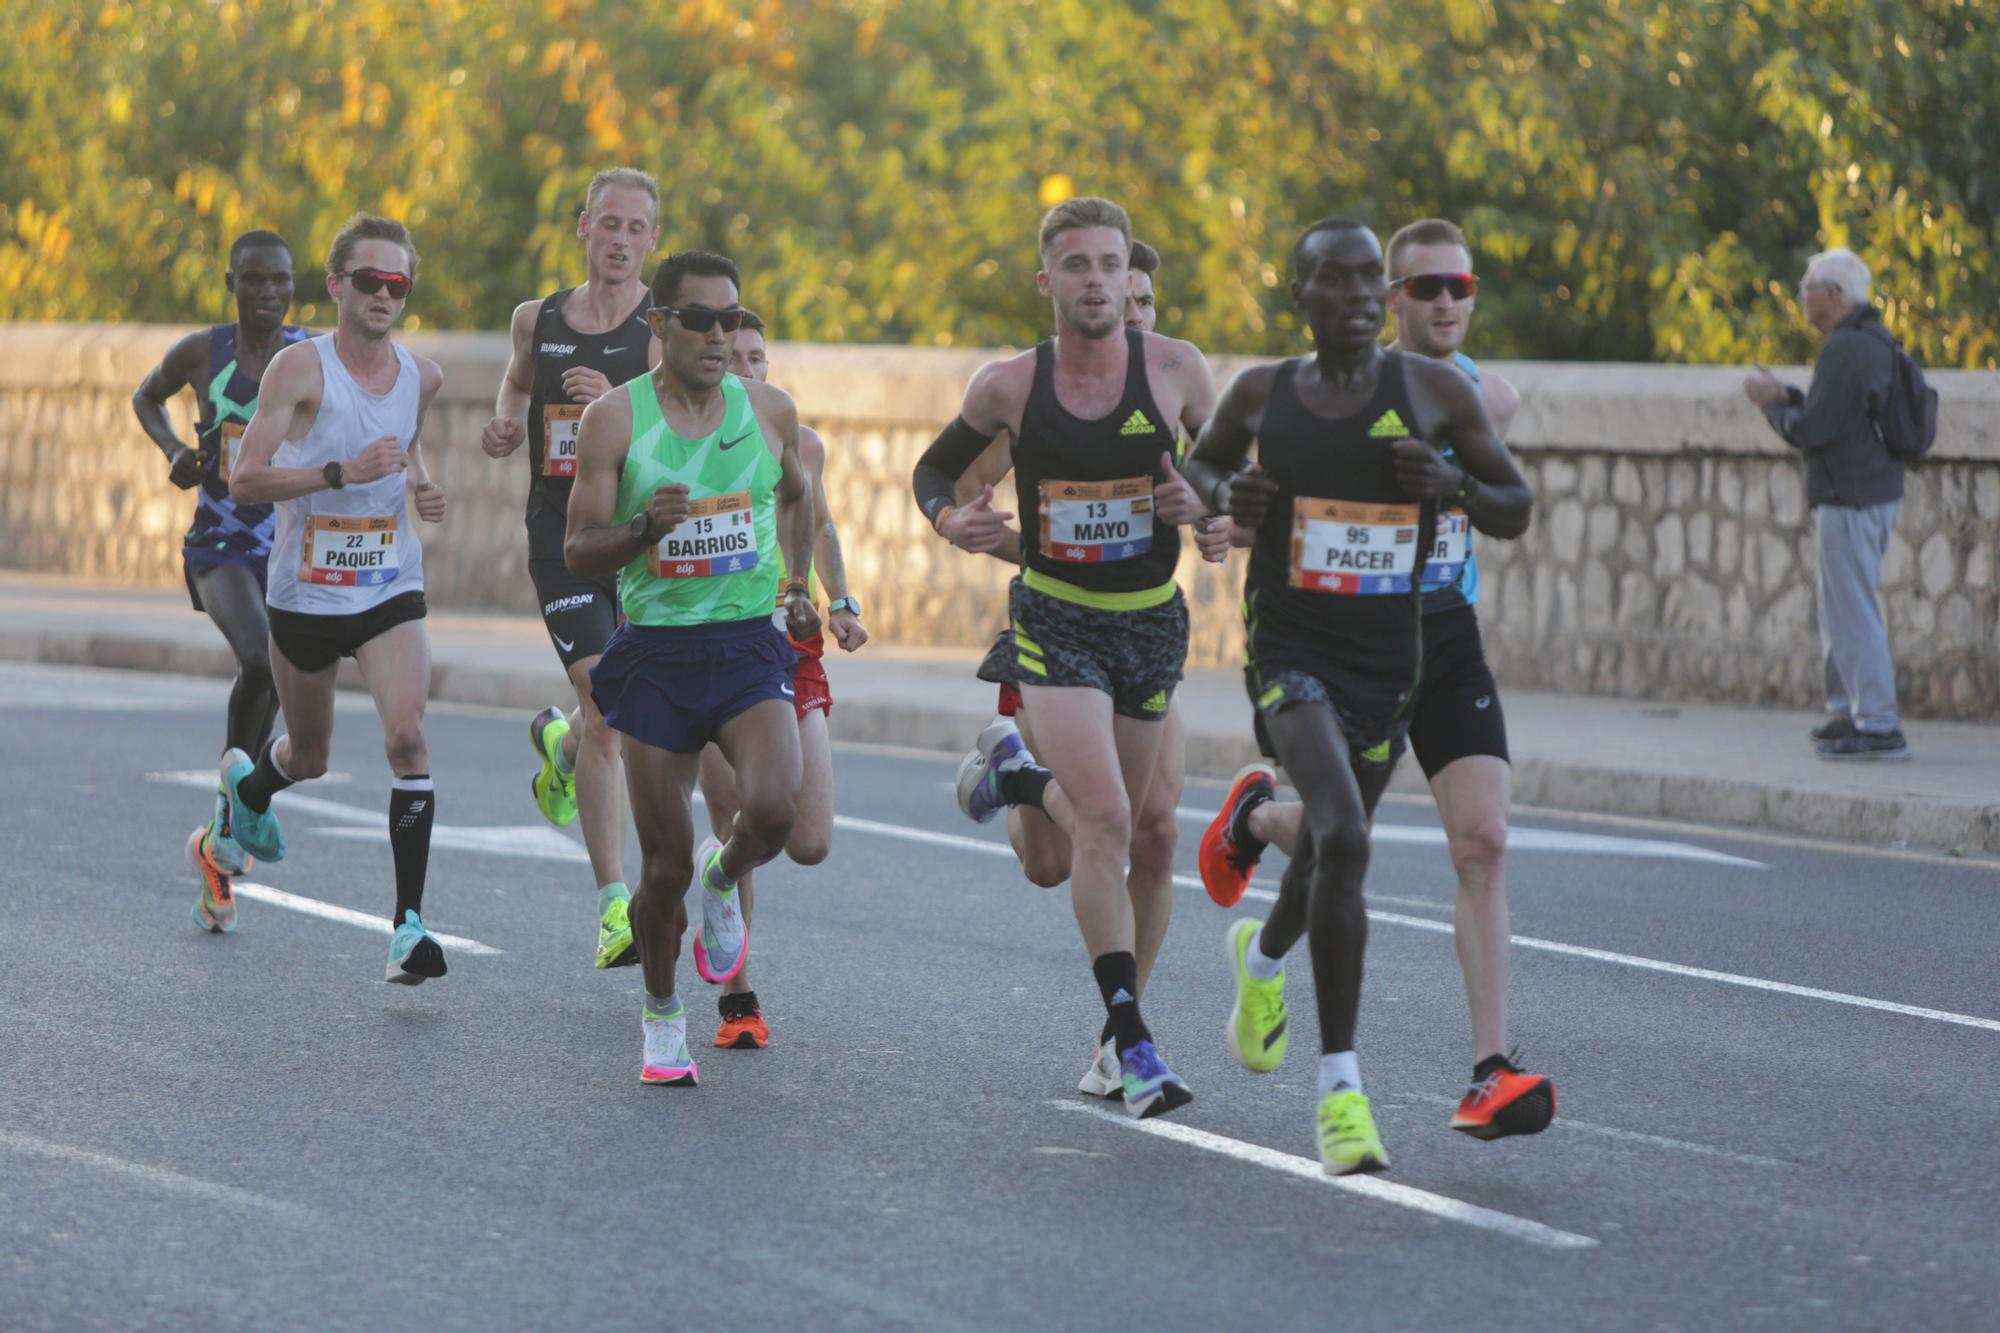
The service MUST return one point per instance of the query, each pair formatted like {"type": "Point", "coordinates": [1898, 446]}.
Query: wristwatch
{"type": "Point", "coordinates": [850, 603]}
{"type": "Point", "coordinates": [641, 528]}
{"type": "Point", "coordinates": [332, 474]}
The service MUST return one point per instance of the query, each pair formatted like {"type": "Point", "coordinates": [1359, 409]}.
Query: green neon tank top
{"type": "Point", "coordinates": [722, 562]}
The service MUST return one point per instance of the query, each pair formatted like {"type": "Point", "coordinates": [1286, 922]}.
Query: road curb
{"type": "Point", "coordinates": [1771, 807]}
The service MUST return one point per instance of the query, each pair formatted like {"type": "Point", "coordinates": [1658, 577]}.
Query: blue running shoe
{"type": "Point", "coordinates": [257, 833]}
{"type": "Point", "coordinates": [414, 957]}
{"type": "Point", "coordinates": [999, 751]}
{"type": "Point", "coordinates": [1150, 1087]}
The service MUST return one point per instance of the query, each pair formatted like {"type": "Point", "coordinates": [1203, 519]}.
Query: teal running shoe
{"type": "Point", "coordinates": [414, 957]}
{"type": "Point", "coordinates": [255, 832]}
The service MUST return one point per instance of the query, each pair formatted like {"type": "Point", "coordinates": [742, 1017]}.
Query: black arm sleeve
{"type": "Point", "coordinates": [938, 471]}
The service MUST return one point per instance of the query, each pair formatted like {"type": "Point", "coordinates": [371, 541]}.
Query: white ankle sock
{"type": "Point", "coordinates": [1339, 1072]}
{"type": "Point", "coordinates": [1258, 963]}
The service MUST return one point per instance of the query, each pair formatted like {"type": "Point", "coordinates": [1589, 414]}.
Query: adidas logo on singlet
{"type": "Point", "coordinates": [1136, 424]}
{"type": "Point", "coordinates": [1388, 426]}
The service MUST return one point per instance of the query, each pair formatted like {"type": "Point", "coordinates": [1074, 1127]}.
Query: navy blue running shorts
{"type": "Point", "coordinates": [674, 686]}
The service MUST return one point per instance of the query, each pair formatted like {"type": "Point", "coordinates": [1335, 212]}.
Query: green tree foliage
{"type": "Point", "coordinates": [1643, 179]}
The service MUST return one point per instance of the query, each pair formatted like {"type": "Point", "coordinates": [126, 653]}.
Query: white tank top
{"type": "Point", "coordinates": [334, 553]}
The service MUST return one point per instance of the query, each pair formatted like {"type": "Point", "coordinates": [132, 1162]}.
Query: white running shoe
{"type": "Point", "coordinates": [667, 1058]}
{"type": "Point", "coordinates": [722, 940]}
{"type": "Point", "coordinates": [1105, 1078]}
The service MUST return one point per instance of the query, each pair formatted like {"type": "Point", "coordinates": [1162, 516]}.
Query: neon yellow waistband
{"type": "Point", "coordinates": [1101, 601]}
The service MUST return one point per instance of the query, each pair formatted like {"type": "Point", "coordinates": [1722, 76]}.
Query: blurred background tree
{"type": "Point", "coordinates": [1643, 179]}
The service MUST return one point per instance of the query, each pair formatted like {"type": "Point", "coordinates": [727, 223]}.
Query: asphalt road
{"type": "Point", "coordinates": [1778, 1070]}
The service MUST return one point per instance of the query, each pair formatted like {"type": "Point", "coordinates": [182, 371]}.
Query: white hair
{"type": "Point", "coordinates": [1842, 270]}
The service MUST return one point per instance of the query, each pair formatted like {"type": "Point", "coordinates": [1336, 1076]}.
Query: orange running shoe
{"type": "Point", "coordinates": [215, 910]}
{"type": "Point", "coordinates": [1227, 861]}
{"type": "Point", "coordinates": [742, 1027]}
{"type": "Point", "coordinates": [1502, 1101]}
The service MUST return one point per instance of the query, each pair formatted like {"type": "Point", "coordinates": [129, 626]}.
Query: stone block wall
{"type": "Point", "coordinates": [1671, 554]}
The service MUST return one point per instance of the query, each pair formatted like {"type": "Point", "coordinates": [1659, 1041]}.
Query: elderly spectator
{"type": "Point", "coordinates": [1854, 484]}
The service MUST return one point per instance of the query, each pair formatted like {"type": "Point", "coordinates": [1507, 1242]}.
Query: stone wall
{"type": "Point", "coordinates": [1671, 554]}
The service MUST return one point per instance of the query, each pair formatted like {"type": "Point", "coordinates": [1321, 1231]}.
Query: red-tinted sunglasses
{"type": "Point", "coordinates": [369, 281]}
{"type": "Point", "coordinates": [1426, 286]}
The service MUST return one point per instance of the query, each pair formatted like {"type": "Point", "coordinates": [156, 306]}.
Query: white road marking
{"type": "Point", "coordinates": [1368, 1187]}
{"type": "Point", "coordinates": [347, 916]}
{"type": "Point", "coordinates": [1683, 970]}
{"type": "Point", "coordinates": [156, 1176]}
{"type": "Point", "coordinates": [1567, 1124]}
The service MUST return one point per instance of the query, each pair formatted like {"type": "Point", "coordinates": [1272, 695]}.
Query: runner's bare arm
{"type": "Point", "coordinates": [1503, 400]}
{"type": "Point", "coordinates": [180, 367]}
{"type": "Point", "coordinates": [427, 495]}
{"type": "Point", "coordinates": [287, 404]}
{"type": "Point", "coordinates": [596, 543]}
{"type": "Point", "coordinates": [989, 470]}
{"type": "Point", "coordinates": [1215, 466]}
{"type": "Point", "coordinates": [509, 426]}
{"type": "Point", "coordinates": [780, 417]}
{"type": "Point", "coordinates": [1480, 477]}
{"type": "Point", "coordinates": [993, 402]}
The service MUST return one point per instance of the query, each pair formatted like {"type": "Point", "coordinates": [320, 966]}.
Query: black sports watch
{"type": "Point", "coordinates": [641, 528]}
{"type": "Point", "coordinates": [332, 474]}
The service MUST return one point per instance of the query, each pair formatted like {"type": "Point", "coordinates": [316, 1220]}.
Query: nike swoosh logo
{"type": "Point", "coordinates": [565, 645]}
{"type": "Point", "coordinates": [613, 351]}
{"type": "Point", "coordinates": [788, 691]}
{"type": "Point", "coordinates": [731, 444]}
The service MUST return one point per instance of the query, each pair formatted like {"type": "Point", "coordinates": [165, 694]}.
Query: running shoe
{"type": "Point", "coordinates": [555, 791]}
{"type": "Point", "coordinates": [1228, 853]}
{"type": "Point", "coordinates": [722, 940]}
{"type": "Point", "coordinates": [1150, 1087]}
{"type": "Point", "coordinates": [222, 850]}
{"type": "Point", "coordinates": [414, 957]}
{"type": "Point", "coordinates": [742, 1027]}
{"type": "Point", "coordinates": [1257, 1023]}
{"type": "Point", "coordinates": [215, 910]}
{"type": "Point", "coordinates": [1104, 1078]}
{"type": "Point", "coordinates": [1502, 1101]}
{"type": "Point", "coordinates": [615, 945]}
{"type": "Point", "coordinates": [244, 832]}
{"type": "Point", "coordinates": [1348, 1142]}
{"type": "Point", "coordinates": [667, 1060]}
{"type": "Point", "coordinates": [998, 751]}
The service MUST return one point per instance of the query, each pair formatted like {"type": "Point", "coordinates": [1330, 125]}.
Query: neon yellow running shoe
{"type": "Point", "coordinates": [615, 946]}
{"type": "Point", "coordinates": [555, 791]}
{"type": "Point", "coordinates": [1257, 1023]}
{"type": "Point", "coordinates": [1348, 1142]}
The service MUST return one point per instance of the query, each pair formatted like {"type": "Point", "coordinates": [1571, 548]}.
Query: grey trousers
{"type": "Point", "coordinates": [1860, 679]}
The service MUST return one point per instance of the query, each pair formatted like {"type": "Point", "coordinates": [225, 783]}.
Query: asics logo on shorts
{"type": "Point", "coordinates": [569, 603]}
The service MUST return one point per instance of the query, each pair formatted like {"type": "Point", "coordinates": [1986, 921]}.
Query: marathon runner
{"type": "Point", "coordinates": [1457, 729]}
{"type": "Point", "coordinates": [334, 445]}
{"type": "Point", "coordinates": [224, 552]}
{"type": "Point", "coordinates": [569, 349]}
{"type": "Point", "coordinates": [689, 485]}
{"type": "Point", "coordinates": [742, 1026]}
{"type": "Point", "coordinates": [1098, 626]}
{"type": "Point", "coordinates": [1344, 526]}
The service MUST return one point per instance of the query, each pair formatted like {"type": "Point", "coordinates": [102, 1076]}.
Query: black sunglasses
{"type": "Point", "coordinates": [700, 319]}
{"type": "Point", "coordinates": [1426, 286]}
{"type": "Point", "coordinates": [369, 281]}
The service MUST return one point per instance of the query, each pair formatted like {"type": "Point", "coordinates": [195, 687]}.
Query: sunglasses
{"type": "Point", "coordinates": [700, 319]}
{"type": "Point", "coordinates": [1426, 286]}
{"type": "Point", "coordinates": [369, 281]}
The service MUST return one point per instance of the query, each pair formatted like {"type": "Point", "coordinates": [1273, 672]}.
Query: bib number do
{"type": "Point", "coordinates": [350, 552]}
{"type": "Point", "coordinates": [719, 536]}
{"type": "Point", "coordinates": [1092, 522]}
{"type": "Point", "coordinates": [559, 427]}
{"type": "Point", "coordinates": [1339, 546]}
{"type": "Point", "coordinates": [1450, 551]}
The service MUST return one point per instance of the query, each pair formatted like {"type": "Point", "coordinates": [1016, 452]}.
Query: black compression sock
{"type": "Point", "coordinates": [412, 806]}
{"type": "Point", "coordinates": [1024, 786]}
{"type": "Point", "coordinates": [1118, 982]}
{"type": "Point", "coordinates": [1240, 834]}
{"type": "Point", "coordinates": [264, 781]}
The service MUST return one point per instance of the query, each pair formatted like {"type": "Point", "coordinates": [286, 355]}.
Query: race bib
{"type": "Point", "coordinates": [1451, 549]}
{"type": "Point", "coordinates": [719, 536]}
{"type": "Point", "coordinates": [1091, 522]}
{"type": "Point", "coordinates": [1340, 546]}
{"type": "Point", "coordinates": [350, 551]}
{"type": "Point", "coordinates": [559, 424]}
{"type": "Point", "coordinates": [228, 439]}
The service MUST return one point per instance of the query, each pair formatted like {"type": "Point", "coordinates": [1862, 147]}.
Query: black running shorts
{"type": "Point", "coordinates": [314, 643]}
{"type": "Point", "coordinates": [1373, 744]}
{"type": "Point", "coordinates": [1458, 705]}
{"type": "Point", "coordinates": [580, 614]}
{"type": "Point", "coordinates": [1135, 656]}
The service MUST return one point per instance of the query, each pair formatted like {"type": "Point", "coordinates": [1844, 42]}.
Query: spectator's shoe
{"type": "Point", "coordinates": [1837, 727]}
{"type": "Point", "coordinates": [1866, 745]}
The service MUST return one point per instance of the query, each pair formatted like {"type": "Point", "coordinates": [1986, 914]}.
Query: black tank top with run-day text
{"type": "Point", "coordinates": [619, 356]}
{"type": "Point", "coordinates": [1085, 488]}
{"type": "Point", "coordinates": [1337, 565]}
